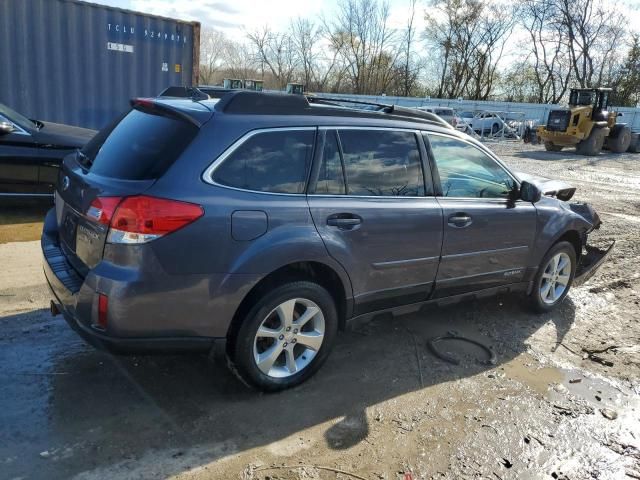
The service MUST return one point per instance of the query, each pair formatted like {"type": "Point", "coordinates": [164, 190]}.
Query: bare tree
{"type": "Point", "coordinates": [277, 53]}
{"type": "Point", "coordinates": [549, 54]}
{"type": "Point", "coordinates": [469, 38]}
{"type": "Point", "coordinates": [411, 64]}
{"type": "Point", "coordinates": [240, 61]}
{"type": "Point", "coordinates": [593, 32]}
{"type": "Point", "coordinates": [212, 54]}
{"type": "Point", "coordinates": [359, 32]}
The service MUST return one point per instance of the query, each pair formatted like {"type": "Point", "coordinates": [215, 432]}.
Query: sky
{"type": "Point", "coordinates": [238, 17]}
{"type": "Point", "coordinates": [241, 16]}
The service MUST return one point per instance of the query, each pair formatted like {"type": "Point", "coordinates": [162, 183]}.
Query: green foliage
{"type": "Point", "coordinates": [628, 79]}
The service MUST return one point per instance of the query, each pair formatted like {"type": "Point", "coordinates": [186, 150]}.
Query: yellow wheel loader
{"type": "Point", "coordinates": [588, 125]}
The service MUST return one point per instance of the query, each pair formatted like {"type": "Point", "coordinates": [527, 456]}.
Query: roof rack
{"type": "Point", "coordinates": [384, 108]}
{"type": "Point", "coordinates": [262, 103]}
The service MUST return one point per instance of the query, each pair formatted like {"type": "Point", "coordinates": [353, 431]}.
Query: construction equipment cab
{"type": "Point", "coordinates": [588, 125]}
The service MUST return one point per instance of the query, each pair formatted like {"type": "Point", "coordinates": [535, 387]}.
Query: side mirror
{"type": "Point", "coordinates": [5, 128]}
{"type": "Point", "coordinates": [529, 192]}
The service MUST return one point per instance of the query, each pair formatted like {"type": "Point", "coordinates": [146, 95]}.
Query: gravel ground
{"type": "Point", "coordinates": [382, 407]}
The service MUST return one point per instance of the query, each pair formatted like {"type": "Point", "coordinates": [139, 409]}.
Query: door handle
{"type": "Point", "coordinates": [344, 221]}
{"type": "Point", "coordinates": [460, 220]}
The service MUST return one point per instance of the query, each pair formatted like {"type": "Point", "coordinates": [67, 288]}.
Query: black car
{"type": "Point", "coordinates": [31, 152]}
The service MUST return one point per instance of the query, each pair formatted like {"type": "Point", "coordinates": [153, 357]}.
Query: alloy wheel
{"type": "Point", "coordinates": [555, 278]}
{"type": "Point", "coordinates": [289, 338]}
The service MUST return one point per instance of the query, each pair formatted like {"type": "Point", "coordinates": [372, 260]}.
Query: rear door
{"type": "Point", "coordinates": [375, 211]}
{"type": "Point", "coordinates": [487, 235]}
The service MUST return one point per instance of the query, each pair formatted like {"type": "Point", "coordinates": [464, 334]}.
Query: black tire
{"type": "Point", "coordinates": [494, 128]}
{"type": "Point", "coordinates": [240, 347]}
{"type": "Point", "coordinates": [592, 145]}
{"type": "Point", "coordinates": [551, 147]}
{"type": "Point", "coordinates": [634, 146]}
{"type": "Point", "coordinates": [619, 139]}
{"type": "Point", "coordinates": [536, 302]}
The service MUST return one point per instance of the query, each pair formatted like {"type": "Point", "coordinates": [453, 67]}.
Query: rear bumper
{"type": "Point", "coordinates": [590, 263]}
{"type": "Point", "coordinates": [76, 299]}
{"type": "Point", "coordinates": [65, 301]}
{"type": "Point", "coordinates": [125, 346]}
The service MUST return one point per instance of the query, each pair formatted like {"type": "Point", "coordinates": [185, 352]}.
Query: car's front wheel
{"type": "Point", "coordinates": [285, 337]}
{"type": "Point", "coordinates": [554, 277]}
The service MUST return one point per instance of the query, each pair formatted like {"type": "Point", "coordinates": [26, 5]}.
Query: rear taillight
{"type": "Point", "coordinates": [102, 209]}
{"type": "Point", "coordinates": [141, 219]}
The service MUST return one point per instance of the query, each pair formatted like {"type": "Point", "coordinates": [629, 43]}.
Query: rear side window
{"type": "Point", "coordinates": [273, 161]}
{"type": "Point", "coordinates": [331, 177]}
{"type": "Point", "coordinates": [382, 163]}
{"type": "Point", "coordinates": [142, 146]}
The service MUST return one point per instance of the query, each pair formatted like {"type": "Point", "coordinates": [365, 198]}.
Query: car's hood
{"type": "Point", "coordinates": [551, 188]}
{"type": "Point", "coordinates": [63, 135]}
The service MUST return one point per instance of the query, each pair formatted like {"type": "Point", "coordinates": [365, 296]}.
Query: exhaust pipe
{"type": "Point", "coordinates": [54, 309]}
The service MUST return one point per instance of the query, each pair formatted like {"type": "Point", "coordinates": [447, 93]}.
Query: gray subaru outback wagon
{"type": "Point", "coordinates": [267, 221]}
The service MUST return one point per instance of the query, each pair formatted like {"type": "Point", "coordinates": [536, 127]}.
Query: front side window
{"type": "Point", "coordinates": [467, 172]}
{"type": "Point", "coordinates": [382, 163]}
{"type": "Point", "coordinates": [274, 161]}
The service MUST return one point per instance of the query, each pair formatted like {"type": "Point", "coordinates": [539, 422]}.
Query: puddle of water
{"type": "Point", "coordinates": [539, 379]}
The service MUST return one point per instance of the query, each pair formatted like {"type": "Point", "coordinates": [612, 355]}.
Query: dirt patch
{"type": "Point", "coordinates": [21, 220]}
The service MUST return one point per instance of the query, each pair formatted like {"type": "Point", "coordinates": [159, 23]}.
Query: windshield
{"type": "Point", "coordinates": [582, 97]}
{"type": "Point", "coordinates": [16, 118]}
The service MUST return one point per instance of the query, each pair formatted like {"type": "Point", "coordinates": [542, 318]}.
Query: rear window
{"type": "Point", "coordinates": [275, 161]}
{"type": "Point", "coordinates": [382, 163]}
{"type": "Point", "coordinates": [141, 146]}
{"type": "Point", "coordinates": [444, 111]}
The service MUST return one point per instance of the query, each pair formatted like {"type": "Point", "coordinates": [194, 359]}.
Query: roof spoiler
{"type": "Point", "coordinates": [194, 93]}
{"type": "Point", "coordinates": [150, 104]}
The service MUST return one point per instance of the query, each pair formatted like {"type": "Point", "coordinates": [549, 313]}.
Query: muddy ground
{"type": "Point", "coordinates": [383, 406]}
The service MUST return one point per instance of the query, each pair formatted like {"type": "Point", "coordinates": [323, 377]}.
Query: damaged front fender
{"type": "Point", "coordinates": [590, 263]}
{"type": "Point", "coordinates": [587, 212]}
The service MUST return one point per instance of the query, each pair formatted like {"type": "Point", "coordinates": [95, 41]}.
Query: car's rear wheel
{"type": "Point", "coordinates": [285, 337]}
{"type": "Point", "coordinates": [554, 277]}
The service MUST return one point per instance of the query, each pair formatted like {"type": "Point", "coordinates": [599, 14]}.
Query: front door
{"type": "Point", "coordinates": [488, 236]}
{"type": "Point", "coordinates": [374, 209]}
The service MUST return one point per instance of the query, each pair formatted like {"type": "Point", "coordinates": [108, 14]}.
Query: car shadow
{"type": "Point", "coordinates": [117, 409]}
